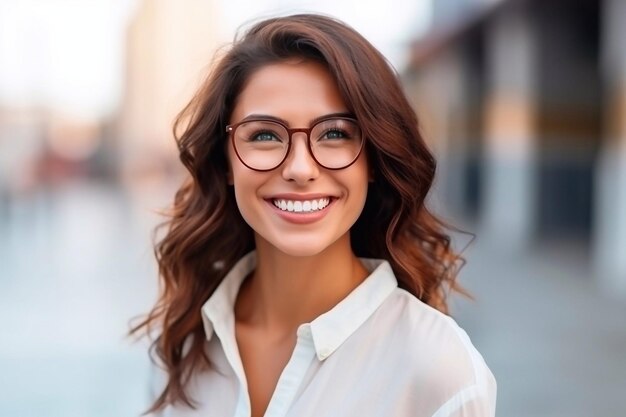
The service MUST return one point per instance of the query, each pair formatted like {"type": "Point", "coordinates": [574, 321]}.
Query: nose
{"type": "Point", "coordinates": [299, 166]}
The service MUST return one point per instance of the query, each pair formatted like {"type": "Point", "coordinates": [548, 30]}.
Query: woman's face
{"type": "Point", "coordinates": [299, 208]}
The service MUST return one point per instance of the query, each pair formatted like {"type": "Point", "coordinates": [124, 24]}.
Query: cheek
{"type": "Point", "coordinates": [362, 174]}
{"type": "Point", "coordinates": [246, 184]}
{"type": "Point", "coordinates": [238, 174]}
{"type": "Point", "coordinates": [357, 181]}
{"type": "Point", "coordinates": [247, 206]}
{"type": "Point", "coordinates": [243, 183]}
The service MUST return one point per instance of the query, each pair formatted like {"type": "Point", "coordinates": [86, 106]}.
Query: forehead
{"type": "Point", "coordinates": [297, 91]}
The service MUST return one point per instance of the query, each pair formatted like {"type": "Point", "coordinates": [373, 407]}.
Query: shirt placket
{"type": "Point", "coordinates": [225, 331]}
{"type": "Point", "coordinates": [292, 376]}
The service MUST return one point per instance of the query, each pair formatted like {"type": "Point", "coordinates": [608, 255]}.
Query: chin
{"type": "Point", "coordinates": [301, 249]}
{"type": "Point", "coordinates": [301, 252]}
{"type": "Point", "coordinates": [298, 246]}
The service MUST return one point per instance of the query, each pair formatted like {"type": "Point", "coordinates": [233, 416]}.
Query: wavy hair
{"type": "Point", "coordinates": [205, 234]}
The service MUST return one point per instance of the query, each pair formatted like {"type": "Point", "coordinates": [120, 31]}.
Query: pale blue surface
{"type": "Point", "coordinates": [75, 266]}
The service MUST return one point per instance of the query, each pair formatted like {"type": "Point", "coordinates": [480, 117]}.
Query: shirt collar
{"type": "Point", "coordinates": [218, 311]}
{"type": "Point", "coordinates": [330, 329]}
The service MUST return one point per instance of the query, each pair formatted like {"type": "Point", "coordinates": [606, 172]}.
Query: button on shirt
{"type": "Point", "coordinates": [378, 352]}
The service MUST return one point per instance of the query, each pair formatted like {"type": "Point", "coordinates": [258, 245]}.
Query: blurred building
{"type": "Point", "coordinates": [55, 98]}
{"type": "Point", "coordinates": [525, 104]}
{"type": "Point", "coordinates": [42, 148]}
{"type": "Point", "coordinates": [170, 45]}
{"type": "Point", "coordinates": [451, 12]}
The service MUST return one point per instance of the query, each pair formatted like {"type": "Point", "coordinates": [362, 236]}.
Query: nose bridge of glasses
{"type": "Point", "coordinates": [306, 131]}
{"type": "Point", "coordinates": [298, 146]}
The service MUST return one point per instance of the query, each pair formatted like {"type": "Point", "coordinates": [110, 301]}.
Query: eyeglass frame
{"type": "Point", "coordinates": [230, 129]}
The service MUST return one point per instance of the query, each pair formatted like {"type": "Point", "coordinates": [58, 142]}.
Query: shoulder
{"type": "Point", "coordinates": [440, 355]}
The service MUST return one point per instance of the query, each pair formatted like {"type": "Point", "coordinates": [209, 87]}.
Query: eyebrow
{"type": "Point", "coordinates": [283, 121]}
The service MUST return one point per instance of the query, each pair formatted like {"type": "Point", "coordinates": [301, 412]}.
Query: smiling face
{"type": "Point", "coordinates": [299, 208]}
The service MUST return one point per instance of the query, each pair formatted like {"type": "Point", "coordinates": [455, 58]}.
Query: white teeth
{"type": "Point", "coordinates": [298, 206]}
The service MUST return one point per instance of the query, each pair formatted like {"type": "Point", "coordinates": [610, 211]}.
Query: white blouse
{"type": "Point", "coordinates": [379, 352]}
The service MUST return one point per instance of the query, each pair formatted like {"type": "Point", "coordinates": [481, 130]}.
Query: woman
{"type": "Point", "coordinates": [302, 274]}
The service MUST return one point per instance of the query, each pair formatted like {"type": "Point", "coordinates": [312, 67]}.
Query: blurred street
{"type": "Point", "coordinates": [76, 265]}
{"type": "Point", "coordinates": [556, 345]}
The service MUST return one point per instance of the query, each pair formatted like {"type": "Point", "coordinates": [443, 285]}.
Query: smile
{"type": "Point", "coordinates": [302, 206]}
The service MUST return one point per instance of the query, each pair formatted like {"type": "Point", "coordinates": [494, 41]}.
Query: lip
{"type": "Point", "coordinates": [300, 197]}
{"type": "Point", "coordinates": [301, 218]}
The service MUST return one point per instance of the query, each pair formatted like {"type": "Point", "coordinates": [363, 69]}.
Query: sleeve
{"type": "Point", "coordinates": [477, 400]}
{"type": "Point", "coordinates": [469, 385]}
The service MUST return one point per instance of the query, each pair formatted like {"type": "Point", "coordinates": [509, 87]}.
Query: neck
{"type": "Point", "coordinates": [285, 291]}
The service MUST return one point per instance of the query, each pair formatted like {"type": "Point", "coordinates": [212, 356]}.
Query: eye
{"type": "Point", "coordinates": [335, 133]}
{"type": "Point", "coordinates": [264, 136]}
{"type": "Point", "coordinates": [336, 130]}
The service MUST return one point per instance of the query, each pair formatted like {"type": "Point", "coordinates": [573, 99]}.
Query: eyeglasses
{"type": "Point", "coordinates": [263, 144]}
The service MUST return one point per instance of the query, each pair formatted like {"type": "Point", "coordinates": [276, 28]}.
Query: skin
{"type": "Point", "coordinates": [303, 270]}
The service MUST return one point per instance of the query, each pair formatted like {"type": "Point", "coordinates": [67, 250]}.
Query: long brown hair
{"type": "Point", "coordinates": [205, 234]}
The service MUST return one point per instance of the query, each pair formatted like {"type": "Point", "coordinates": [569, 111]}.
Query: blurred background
{"type": "Point", "coordinates": [523, 102]}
